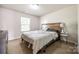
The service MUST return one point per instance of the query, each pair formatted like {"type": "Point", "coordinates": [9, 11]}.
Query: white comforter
{"type": "Point", "coordinates": [39, 38]}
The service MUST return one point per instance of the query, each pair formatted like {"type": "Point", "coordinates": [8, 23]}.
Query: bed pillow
{"type": "Point", "coordinates": [52, 30]}
{"type": "Point", "coordinates": [58, 32]}
{"type": "Point", "coordinates": [44, 27]}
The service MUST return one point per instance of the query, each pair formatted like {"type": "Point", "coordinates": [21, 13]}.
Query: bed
{"type": "Point", "coordinates": [40, 38]}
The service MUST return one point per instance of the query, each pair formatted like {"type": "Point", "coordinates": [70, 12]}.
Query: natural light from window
{"type": "Point", "coordinates": [25, 24]}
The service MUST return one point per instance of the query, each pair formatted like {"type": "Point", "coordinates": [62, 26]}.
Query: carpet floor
{"type": "Point", "coordinates": [59, 47]}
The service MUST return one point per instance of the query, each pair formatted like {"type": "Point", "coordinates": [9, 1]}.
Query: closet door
{"type": "Point", "coordinates": [3, 41]}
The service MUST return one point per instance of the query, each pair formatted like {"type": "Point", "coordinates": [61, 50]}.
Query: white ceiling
{"type": "Point", "coordinates": [43, 8]}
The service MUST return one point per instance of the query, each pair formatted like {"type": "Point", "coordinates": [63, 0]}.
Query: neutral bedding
{"type": "Point", "coordinates": [39, 38]}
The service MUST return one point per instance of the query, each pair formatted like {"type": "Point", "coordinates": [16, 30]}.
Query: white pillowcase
{"type": "Point", "coordinates": [44, 27]}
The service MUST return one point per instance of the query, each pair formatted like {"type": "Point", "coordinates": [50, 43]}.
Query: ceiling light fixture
{"type": "Point", "coordinates": [34, 6]}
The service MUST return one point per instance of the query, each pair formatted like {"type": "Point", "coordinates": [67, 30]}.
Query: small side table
{"type": "Point", "coordinates": [64, 37]}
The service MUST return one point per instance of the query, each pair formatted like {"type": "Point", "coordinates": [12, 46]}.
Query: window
{"type": "Point", "coordinates": [25, 24]}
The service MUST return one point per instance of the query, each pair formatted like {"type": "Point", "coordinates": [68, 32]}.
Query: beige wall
{"type": "Point", "coordinates": [10, 20]}
{"type": "Point", "coordinates": [78, 26]}
{"type": "Point", "coordinates": [0, 22]}
{"type": "Point", "coordinates": [68, 16]}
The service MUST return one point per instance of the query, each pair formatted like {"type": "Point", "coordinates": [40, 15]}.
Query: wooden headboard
{"type": "Point", "coordinates": [55, 26]}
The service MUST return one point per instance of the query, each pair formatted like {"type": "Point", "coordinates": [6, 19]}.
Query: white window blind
{"type": "Point", "coordinates": [25, 24]}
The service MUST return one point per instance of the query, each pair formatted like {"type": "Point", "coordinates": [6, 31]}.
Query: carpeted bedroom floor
{"type": "Point", "coordinates": [59, 47]}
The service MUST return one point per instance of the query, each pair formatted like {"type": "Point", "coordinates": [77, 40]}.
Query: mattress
{"type": "Point", "coordinates": [39, 38]}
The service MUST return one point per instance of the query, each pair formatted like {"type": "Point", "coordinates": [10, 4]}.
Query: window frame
{"type": "Point", "coordinates": [26, 24]}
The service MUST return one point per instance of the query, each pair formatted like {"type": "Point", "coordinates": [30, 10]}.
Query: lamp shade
{"type": "Point", "coordinates": [61, 25]}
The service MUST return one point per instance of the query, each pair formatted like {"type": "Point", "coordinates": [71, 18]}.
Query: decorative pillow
{"type": "Point", "coordinates": [50, 29]}
{"type": "Point", "coordinates": [58, 32]}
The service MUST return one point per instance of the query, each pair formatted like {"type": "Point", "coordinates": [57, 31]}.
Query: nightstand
{"type": "Point", "coordinates": [64, 36]}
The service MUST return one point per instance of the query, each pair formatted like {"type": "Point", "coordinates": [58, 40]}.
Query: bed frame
{"type": "Point", "coordinates": [55, 26]}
